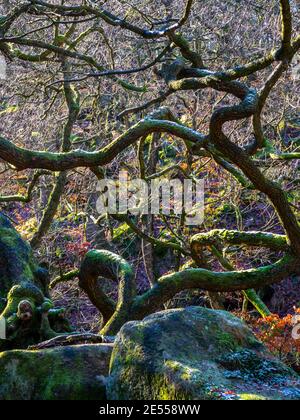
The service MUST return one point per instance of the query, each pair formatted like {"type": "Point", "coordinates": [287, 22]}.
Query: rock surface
{"type": "Point", "coordinates": [62, 373]}
{"type": "Point", "coordinates": [195, 353]}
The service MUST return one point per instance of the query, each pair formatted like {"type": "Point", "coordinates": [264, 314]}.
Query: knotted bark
{"type": "Point", "coordinates": [25, 304]}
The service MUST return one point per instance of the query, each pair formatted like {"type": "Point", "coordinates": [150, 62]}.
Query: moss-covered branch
{"type": "Point", "coordinates": [286, 156]}
{"type": "Point", "coordinates": [24, 159]}
{"type": "Point", "coordinates": [246, 108]}
{"type": "Point", "coordinates": [264, 93]}
{"type": "Point", "coordinates": [286, 28]}
{"type": "Point", "coordinates": [73, 103]}
{"type": "Point", "coordinates": [216, 239]}
{"type": "Point", "coordinates": [169, 285]}
{"type": "Point", "coordinates": [249, 294]}
{"type": "Point", "coordinates": [233, 237]}
{"type": "Point", "coordinates": [164, 244]}
{"type": "Point", "coordinates": [63, 278]}
{"type": "Point", "coordinates": [185, 49]}
{"type": "Point", "coordinates": [111, 19]}
{"type": "Point", "coordinates": [111, 266]}
{"type": "Point", "coordinates": [24, 198]}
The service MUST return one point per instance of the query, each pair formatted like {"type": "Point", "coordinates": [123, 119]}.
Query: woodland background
{"type": "Point", "coordinates": [33, 111]}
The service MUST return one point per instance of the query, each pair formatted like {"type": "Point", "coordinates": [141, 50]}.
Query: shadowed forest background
{"type": "Point", "coordinates": [190, 90]}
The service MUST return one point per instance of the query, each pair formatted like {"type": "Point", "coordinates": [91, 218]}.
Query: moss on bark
{"type": "Point", "coordinates": [25, 303]}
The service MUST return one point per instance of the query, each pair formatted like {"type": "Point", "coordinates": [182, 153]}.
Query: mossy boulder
{"type": "Point", "coordinates": [195, 353]}
{"type": "Point", "coordinates": [62, 373]}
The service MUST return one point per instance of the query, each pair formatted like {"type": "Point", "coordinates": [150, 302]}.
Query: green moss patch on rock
{"type": "Point", "coordinates": [195, 353]}
{"type": "Point", "coordinates": [62, 373]}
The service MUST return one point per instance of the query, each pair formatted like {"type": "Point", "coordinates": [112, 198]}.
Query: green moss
{"type": "Point", "coordinates": [21, 278]}
{"type": "Point", "coordinates": [227, 341]}
{"type": "Point", "coordinates": [251, 397]}
{"type": "Point", "coordinates": [71, 373]}
{"type": "Point", "coordinates": [7, 238]}
{"type": "Point", "coordinates": [173, 365]}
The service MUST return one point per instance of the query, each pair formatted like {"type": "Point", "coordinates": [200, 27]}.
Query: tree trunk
{"type": "Point", "coordinates": [25, 304]}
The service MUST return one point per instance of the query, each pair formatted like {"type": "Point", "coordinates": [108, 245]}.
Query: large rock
{"type": "Point", "coordinates": [195, 353]}
{"type": "Point", "coordinates": [61, 373]}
